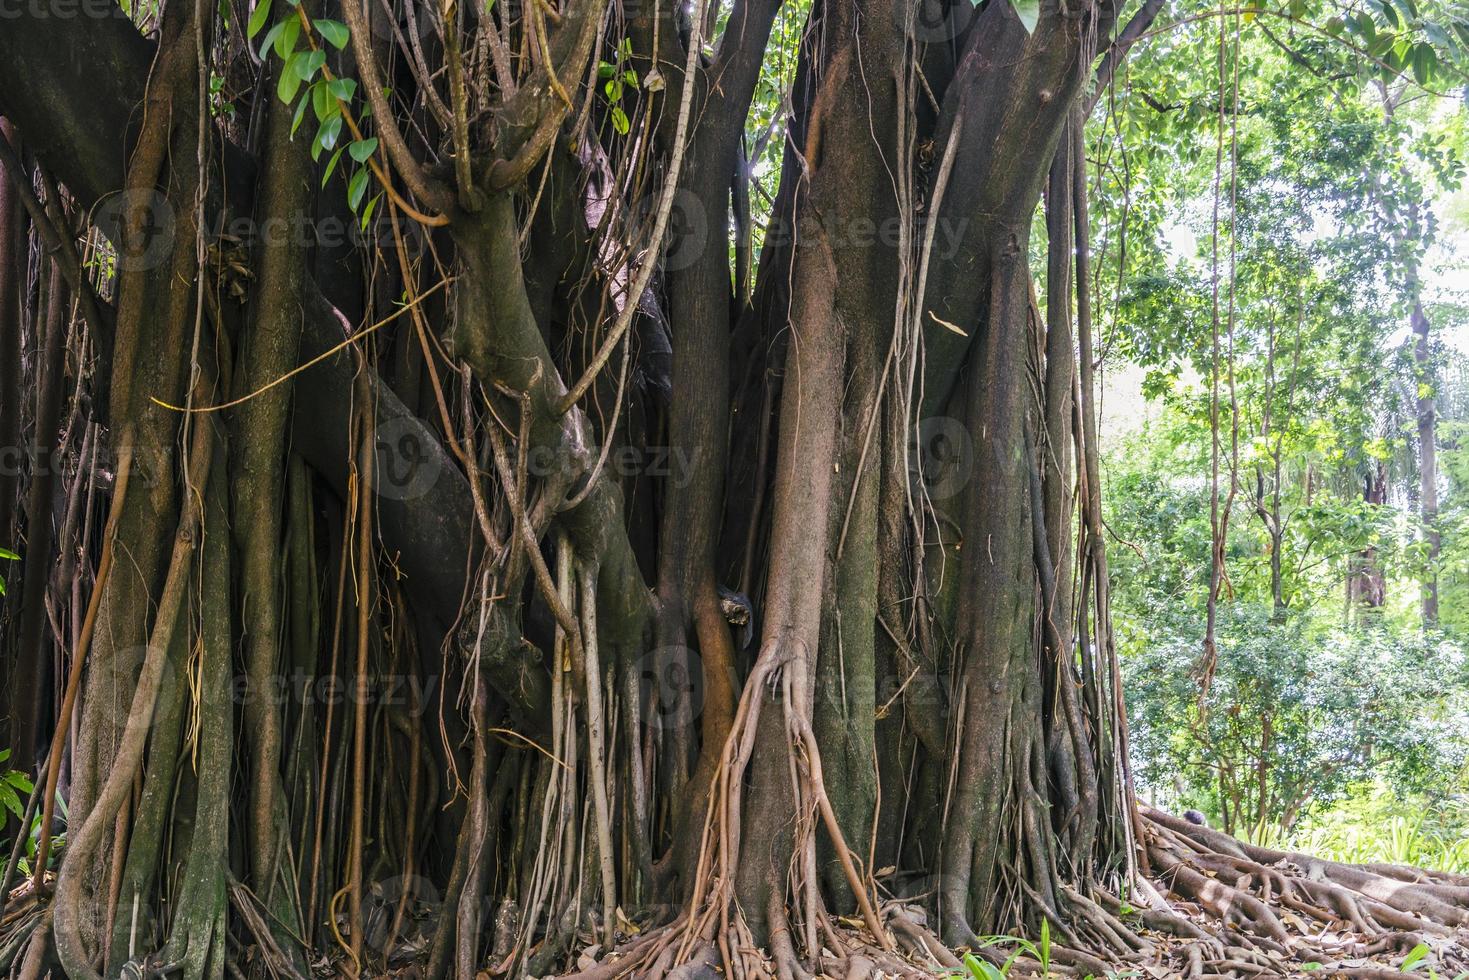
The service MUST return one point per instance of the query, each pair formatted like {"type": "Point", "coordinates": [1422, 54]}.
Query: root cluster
{"type": "Point", "coordinates": [1206, 906]}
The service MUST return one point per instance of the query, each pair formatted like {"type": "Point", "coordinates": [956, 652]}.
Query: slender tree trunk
{"type": "Point", "coordinates": [11, 450]}
{"type": "Point", "coordinates": [1427, 459]}
{"type": "Point", "coordinates": [28, 683]}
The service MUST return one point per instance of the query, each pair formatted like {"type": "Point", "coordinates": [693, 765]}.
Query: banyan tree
{"type": "Point", "coordinates": [602, 486]}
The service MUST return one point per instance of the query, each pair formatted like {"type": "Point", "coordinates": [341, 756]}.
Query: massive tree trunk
{"type": "Point", "coordinates": [492, 503]}
{"type": "Point", "coordinates": [864, 283]}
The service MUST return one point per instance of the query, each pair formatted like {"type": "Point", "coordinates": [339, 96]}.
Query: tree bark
{"type": "Point", "coordinates": [1427, 459]}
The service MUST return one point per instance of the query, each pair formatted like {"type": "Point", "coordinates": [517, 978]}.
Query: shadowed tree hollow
{"type": "Point", "coordinates": [588, 486]}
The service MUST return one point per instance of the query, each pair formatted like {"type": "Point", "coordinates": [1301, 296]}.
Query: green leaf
{"type": "Point", "coordinates": [4, 754]}
{"type": "Point", "coordinates": [287, 87]}
{"type": "Point", "coordinates": [20, 781]}
{"type": "Point", "coordinates": [331, 165]}
{"type": "Point", "coordinates": [330, 130]}
{"type": "Point", "coordinates": [12, 801]}
{"type": "Point", "coordinates": [1425, 63]}
{"type": "Point", "coordinates": [334, 31]}
{"type": "Point", "coordinates": [371, 207]}
{"type": "Point", "coordinates": [1029, 12]}
{"type": "Point", "coordinates": [258, 18]}
{"type": "Point", "coordinates": [356, 188]}
{"type": "Point", "coordinates": [1414, 957]}
{"type": "Point", "coordinates": [362, 149]}
{"type": "Point", "coordinates": [285, 43]}
{"type": "Point", "coordinates": [300, 115]}
{"type": "Point", "coordinates": [322, 102]}
{"type": "Point", "coordinates": [981, 969]}
{"type": "Point", "coordinates": [620, 121]}
{"type": "Point", "coordinates": [343, 88]}
{"type": "Point", "coordinates": [308, 63]}
{"type": "Point", "coordinates": [7, 553]}
{"type": "Point", "coordinates": [271, 36]}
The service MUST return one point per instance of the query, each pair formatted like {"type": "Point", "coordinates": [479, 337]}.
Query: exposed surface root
{"type": "Point", "coordinates": [1270, 913]}
{"type": "Point", "coordinates": [1212, 906]}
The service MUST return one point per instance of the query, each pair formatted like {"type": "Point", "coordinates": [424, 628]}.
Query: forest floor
{"type": "Point", "coordinates": [1206, 906]}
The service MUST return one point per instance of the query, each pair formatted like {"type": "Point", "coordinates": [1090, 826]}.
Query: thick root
{"type": "Point", "coordinates": [1213, 906]}
{"type": "Point", "coordinates": [1280, 914]}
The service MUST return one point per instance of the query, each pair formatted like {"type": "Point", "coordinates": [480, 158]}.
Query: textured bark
{"type": "Point", "coordinates": [268, 351]}
{"type": "Point", "coordinates": [11, 224]}
{"type": "Point", "coordinates": [700, 302]}
{"type": "Point", "coordinates": [917, 710]}
{"type": "Point", "coordinates": [48, 54]}
{"type": "Point", "coordinates": [1427, 459]}
{"type": "Point", "coordinates": [1366, 583]}
{"type": "Point", "coordinates": [27, 681]}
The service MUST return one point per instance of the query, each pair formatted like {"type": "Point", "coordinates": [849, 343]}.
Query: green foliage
{"type": "Point", "coordinates": [15, 791]}
{"type": "Point", "coordinates": [6, 555]}
{"type": "Point", "coordinates": [1371, 824]}
{"type": "Point", "coordinates": [305, 80]}
{"type": "Point", "coordinates": [1453, 518]}
{"type": "Point", "coordinates": [1295, 714]}
{"type": "Point", "coordinates": [981, 969]}
{"type": "Point", "coordinates": [12, 785]}
{"type": "Point", "coordinates": [1263, 233]}
{"type": "Point", "coordinates": [615, 77]}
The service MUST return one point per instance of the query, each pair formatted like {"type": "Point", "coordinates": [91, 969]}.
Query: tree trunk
{"type": "Point", "coordinates": [1427, 459]}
